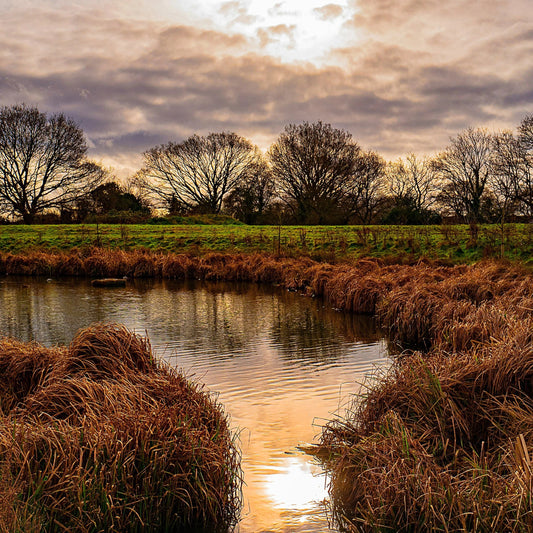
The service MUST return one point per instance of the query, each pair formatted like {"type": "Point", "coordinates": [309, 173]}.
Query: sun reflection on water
{"type": "Point", "coordinates": [280, 364]}
{"type": "Point", "coordinates": [296, 485]}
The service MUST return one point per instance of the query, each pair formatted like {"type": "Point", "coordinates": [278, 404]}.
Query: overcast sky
{"type": "Point", "coordinates": [400, 75]}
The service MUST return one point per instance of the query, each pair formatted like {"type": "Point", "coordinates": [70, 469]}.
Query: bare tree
{"type": "Point", "coordinates": [464, 168]}
{"type": "Point", "coordinates": [525, 140]}
{"type": "Point", "coordinates": [364, 188]}
{"type": "Point", "coordinates": [525, 131]}
{"type": "Point", "coordinates": [251, 198]}
{"type": "Point", "coordinates": [311, 164]}
{"type": "Point", "coordinates": [43, 161]}
{"type": "Point", "coordinates": [198, 173]}
{"type": "Point", "coordinates": [413, 179]}
{"type": "Point", "coordinates": [511, 179]}
{"type": "Point", "coordinates": [398, 181]}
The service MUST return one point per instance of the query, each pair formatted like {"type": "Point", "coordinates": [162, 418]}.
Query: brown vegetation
{"type": "Point", "coordinates": [99, 437]}
{"type": "Point", "coordinates": [420, 305]}
{"type": "Point", "coordinates": [440, 443]}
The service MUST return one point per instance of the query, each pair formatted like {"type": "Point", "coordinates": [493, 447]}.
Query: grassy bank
{"type": "Point", "coordinates": [441, 444]}
{"type": "Point", "coordinates": [455, 243]}
{"type": "Point", "coordinates": [99, 437]}
{"type": "Point", "coordinates": [421, 305]}
{"type": "Point", "coordinates": [443, 441]}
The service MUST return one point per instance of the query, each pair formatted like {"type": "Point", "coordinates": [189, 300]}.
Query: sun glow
{"type": "Point", "coordinates": [292, 30]}
{"type": "Point", "coordinates": [295, 486]}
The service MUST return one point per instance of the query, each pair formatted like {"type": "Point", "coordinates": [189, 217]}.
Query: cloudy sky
{"type": "Point", "coordinates": [400, 75]}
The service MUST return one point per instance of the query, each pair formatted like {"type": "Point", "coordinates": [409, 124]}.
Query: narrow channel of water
{"type": "Point", "coordinates": [281, 364]}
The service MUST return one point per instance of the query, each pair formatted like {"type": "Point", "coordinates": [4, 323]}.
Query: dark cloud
{"type": "Point", "coordinates": [419, 73]}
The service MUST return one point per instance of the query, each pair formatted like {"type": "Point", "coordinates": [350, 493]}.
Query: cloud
{"type": "Point", "coordinates": [279, 9]}
{"type": "Point", "coordinates": [232, 9]}
{"type": "Point", "coordinates": [329, 11]}
{"type": "Point", "coordinates": [420, 73]}
{"type": "Point", "coordinates": [237, 13]}
{"type": "Point", "coordinates": [280, 32]}
{"type": "Point", "coordinates": [456, 30]}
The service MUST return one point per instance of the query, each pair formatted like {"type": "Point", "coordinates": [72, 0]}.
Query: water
{"type": "Point", "coordinates": [281, 364]}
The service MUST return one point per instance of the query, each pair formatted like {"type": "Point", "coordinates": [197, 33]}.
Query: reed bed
{"type": "Point", "coordinates": [421, 305]}
{"type": "Point", "coordinates": [98, 436]}
{"type": "Point", "coordinates": [441, 443]}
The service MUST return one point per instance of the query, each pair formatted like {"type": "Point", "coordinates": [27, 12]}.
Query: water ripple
{"type": "Point", "coordinates": [281, 365]}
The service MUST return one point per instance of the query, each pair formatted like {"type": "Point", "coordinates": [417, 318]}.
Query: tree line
{"type": "Point", "coordinates": [312, 174]}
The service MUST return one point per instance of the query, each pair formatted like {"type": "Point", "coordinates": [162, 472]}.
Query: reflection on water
{"type": "Point", "coordinates": [280, 363]}
{"type": "Point", "coordinates": [295, 485]}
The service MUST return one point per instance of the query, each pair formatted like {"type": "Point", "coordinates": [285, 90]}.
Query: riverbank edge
{"type": "Point", "coordinates": [100, 436]}
{"type": "Point", "coordinates": [463, 316]}
{"type": "Point", "coordinates": [415, 303]}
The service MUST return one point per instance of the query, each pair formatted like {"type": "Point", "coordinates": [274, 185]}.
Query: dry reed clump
{"type": "Point", "coordinates": [144, 265]}
{"type": "Point", "coordinates": [451, 308]}
{"type": "Point", "coordinates": [440, 444]}
{"type": "Point", "coordinates": [108, 352]}
{"type": "Point", "coordinates": [320, 275]}
{"type": "Point", "coordinates": [23, 369]}
{"type": "Point", "coordinates": [297, 274]}
{"type": "Point", "coordinates": [71, 264]}
{"type": "Point", "coordinates": [32, 264]}
{"type": "Point", "coordinates": [269, 271]}
{"type": "Point", "coordinates": [463, 326]}
{"type": "Point", "coordinates": [177, 266]}
{"type": "Point", "coordinates": [411, 314]}
{"type": "Point", "coordinates": [355, 291]}
{"type": "Point", "coordinates": [104, 263]}
{"type": "Point", "coordinates": [364, 294]}
{"type": "Point", "coordinates": [99, 437]}
{"type": "Point", "coordinates": [213, 267]}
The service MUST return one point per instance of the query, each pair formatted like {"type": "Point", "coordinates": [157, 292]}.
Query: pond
{"type": "Point", "coordinates": [281, 364]}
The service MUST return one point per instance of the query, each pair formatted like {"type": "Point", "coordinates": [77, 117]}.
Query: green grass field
{"type": "Point", "coordinates": [455, 243]}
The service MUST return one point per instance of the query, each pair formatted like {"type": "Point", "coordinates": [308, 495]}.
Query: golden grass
{"type": "Point", "coordinates": [440, 444]}
{"type": "Point", "coordinates": [100, 437]}
{"type": "Point", "coordinates": [443, 442]}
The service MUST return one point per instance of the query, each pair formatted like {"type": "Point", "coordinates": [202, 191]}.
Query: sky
{"type": "Point", "coordinates": [400, 75]}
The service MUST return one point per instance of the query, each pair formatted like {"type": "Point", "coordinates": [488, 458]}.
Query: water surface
{"type": "Point", "coordinates": [280, 363]}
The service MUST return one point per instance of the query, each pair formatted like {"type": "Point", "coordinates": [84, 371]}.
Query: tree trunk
{"type": "Point", "coordinates": [28, 218]}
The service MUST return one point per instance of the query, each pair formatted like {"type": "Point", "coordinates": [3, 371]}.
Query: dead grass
{"type": "Point", "coordinates": [100, 437]}
{"type": "Point", "coordinates": [420, 305]}
{"type": "Point", "coordinates": [441, 443]}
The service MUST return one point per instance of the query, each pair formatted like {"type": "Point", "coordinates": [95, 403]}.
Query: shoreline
{"type": "Point", "coordinates": [428, 421]}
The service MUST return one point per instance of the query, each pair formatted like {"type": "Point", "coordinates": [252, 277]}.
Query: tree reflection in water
{"type": "Point", "coordinates": [280, 363]}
